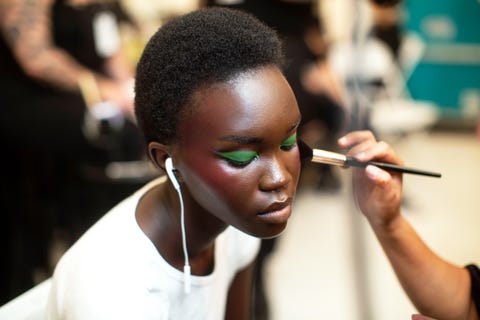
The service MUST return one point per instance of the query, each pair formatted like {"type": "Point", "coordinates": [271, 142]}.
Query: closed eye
{"type": "Point", "coordinates": [289, 143]}
{"type": "Point", "coordinates": [239, 158]}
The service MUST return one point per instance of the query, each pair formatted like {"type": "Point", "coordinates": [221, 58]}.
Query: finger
{"type": "Point", "coordinates": [355, 137]}
{"type": "Point", "coordinates": [380, 151]}
{"type": "Point", "coordinates": [377, 175]}
{"type": "Point", "coordinates": [359, 149]}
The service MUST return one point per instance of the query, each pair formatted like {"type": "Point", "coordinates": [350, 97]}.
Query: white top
{"type": "Point", "coordinates": [115, 272]}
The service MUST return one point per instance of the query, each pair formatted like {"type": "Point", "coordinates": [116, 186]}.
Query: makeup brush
{"type": "Point", "coordinates": [337, 159]}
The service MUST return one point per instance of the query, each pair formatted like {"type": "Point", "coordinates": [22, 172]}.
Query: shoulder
{"type": "Point", "coordinates": [106, 264]}
{"type": "Point", "coordinates": [112, 241]}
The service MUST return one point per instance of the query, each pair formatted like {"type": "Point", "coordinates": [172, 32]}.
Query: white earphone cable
{"type": "Point", "coordinates": [186, 267]}
{"type": "Point", "coordinates": [176, 185]}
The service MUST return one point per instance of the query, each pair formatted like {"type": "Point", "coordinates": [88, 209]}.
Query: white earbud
{"type": "Point", "coordinates": [186, 268]}
{"type": "Point", "coordinates": [171, 175]}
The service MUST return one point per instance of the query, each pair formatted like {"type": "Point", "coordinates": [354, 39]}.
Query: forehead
{"type": "Point", "coordinates": [253, 104]}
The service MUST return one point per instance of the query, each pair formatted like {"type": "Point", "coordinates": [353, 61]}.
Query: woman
{"type": "Point", "coordinates": [218, 115]}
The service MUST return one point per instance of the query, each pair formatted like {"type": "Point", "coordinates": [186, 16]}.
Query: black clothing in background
{"type": "Point", "coordinates": [47, 182]}
{"type": "Point", "coordinates": [475, 284]}
{"type": "Point", "coordinates": [292, 19]}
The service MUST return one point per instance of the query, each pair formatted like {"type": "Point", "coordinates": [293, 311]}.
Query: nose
{"type": "Point", "coordinates": [276, 175]}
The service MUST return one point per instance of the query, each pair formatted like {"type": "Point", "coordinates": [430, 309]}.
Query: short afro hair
{"type": "Point", "coordinates": [193, 51]}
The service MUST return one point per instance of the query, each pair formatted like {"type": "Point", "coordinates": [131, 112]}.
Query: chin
{"type": "Point", "coordinates": [272, 232]}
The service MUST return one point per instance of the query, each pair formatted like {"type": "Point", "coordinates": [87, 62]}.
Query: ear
{"type": "Point", "coordinates": [158, 153]}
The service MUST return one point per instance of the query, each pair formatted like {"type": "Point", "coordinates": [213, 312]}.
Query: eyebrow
{"type": "Point", "coordinates": [254, 140]}
{"type": "Point", "coordinates": [242, 139]}
{"type": "Point", "coordinates": [296, 124]}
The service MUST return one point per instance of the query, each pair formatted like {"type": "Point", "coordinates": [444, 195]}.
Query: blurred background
{"type": "Point", "coordinates": [408, 70]}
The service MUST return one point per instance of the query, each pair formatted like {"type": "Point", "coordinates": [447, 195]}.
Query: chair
{"type": "Point", "coordinates": [373, 77]}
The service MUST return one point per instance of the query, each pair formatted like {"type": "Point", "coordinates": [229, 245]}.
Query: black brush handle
{"type": "Point", "coordinates": [390, 167]}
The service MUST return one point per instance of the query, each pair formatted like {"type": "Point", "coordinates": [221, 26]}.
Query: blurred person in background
{"type": "Point", "coordinates": [51, 170]}
{"type": "Point", "coordinates": [386, 25]}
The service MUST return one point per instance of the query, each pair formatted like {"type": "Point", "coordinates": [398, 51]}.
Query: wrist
{"type": "Point", "coordinates": [387, 226]}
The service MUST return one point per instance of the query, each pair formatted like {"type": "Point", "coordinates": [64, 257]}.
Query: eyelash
{"type": "Point", "coordinates": [288, 147]}
{"type": "Point", "coordinates": [228, 156]}
{"type": "Point", "coordinates": [239, 164]}
{"type": "Point", "coordinates": [289, 143]}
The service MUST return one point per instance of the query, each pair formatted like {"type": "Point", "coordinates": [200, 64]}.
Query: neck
{"type": "Point", "coordinates": [158, 215]}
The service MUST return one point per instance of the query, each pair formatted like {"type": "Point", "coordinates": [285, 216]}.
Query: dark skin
{"type": "Point", "coordinates": [256, 112]}
{"type": "Point", "coordinates": [437, 288]}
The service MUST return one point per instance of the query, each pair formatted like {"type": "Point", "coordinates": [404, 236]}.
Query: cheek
{"type": "Point", "coordinates": [234, 185]}
{"type": "Point", "coordinates": [229, 186]}
{"type": "Point", "coordinates": [296, 164]}
{"type": "Point", "coordinates": [293, 164]}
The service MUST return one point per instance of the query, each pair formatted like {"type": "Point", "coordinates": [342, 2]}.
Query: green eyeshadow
{"type": "Point", "coordinates": [241, 156]}
{"type": "Point", "coordinates": [290, 141]}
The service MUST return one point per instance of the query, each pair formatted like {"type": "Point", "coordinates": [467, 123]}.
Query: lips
{"type": "Point", "coordinates": [278, 212]}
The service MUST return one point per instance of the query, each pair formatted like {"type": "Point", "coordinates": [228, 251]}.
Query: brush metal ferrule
{"type": "Point", "coordinates": [328, 157]}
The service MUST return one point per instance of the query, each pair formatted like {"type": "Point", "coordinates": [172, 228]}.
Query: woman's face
{"type": "Point", "coordinates": [238, 155]}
